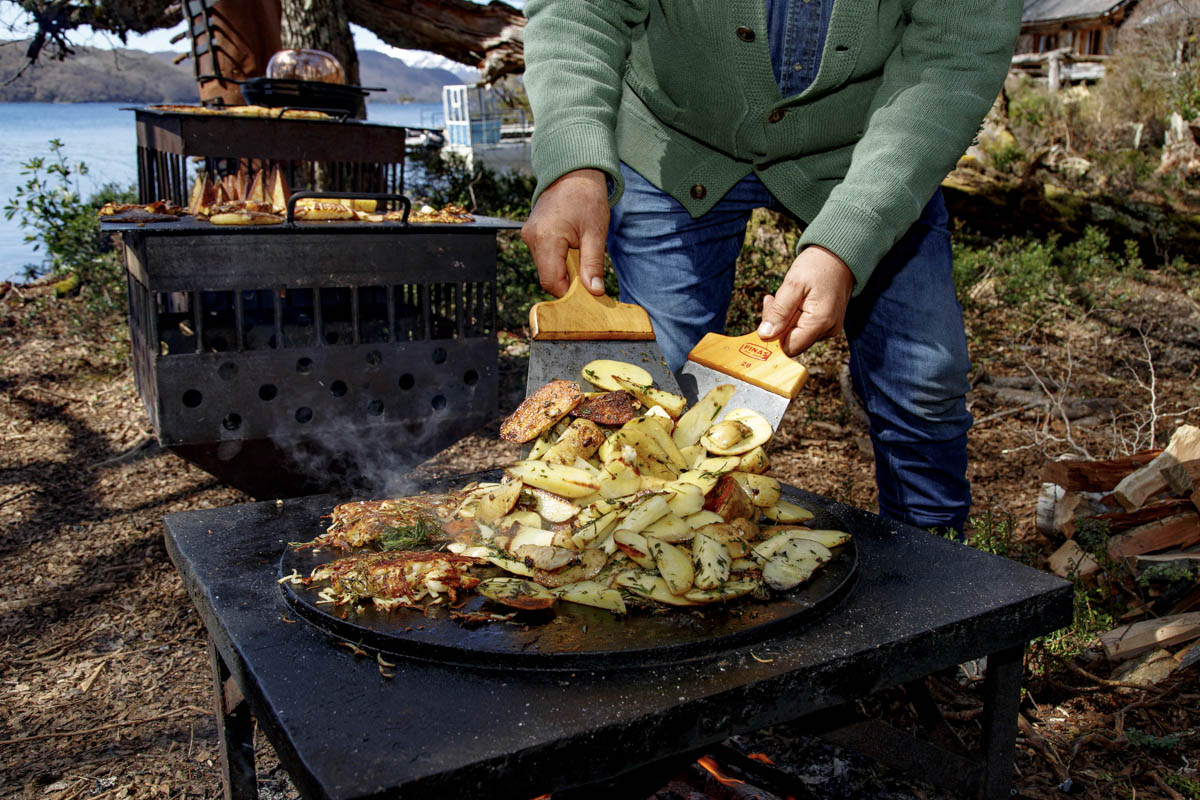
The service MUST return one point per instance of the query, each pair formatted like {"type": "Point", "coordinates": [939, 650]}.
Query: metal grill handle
{"type": "Point", "coordinates": [291, 206]}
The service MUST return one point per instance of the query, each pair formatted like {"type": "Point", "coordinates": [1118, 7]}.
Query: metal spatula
{"type": "Point", "coordinates": [767, 380]}
{"type": "Point", "coordinates": [580, 327]}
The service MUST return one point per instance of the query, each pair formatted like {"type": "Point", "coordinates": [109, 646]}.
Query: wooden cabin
{"type": "Point", "coordinates": [1081, 27]}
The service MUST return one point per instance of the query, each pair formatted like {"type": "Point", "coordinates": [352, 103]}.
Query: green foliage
{"type": "Point", "coordinates": [1029, 273]}
{"type": "Point", "coordinates": [1007, 156]}
{"type": "Point", "coordinates": [1166, 573]}
{"type": "Point", "coordinates": [64, 227]}
{"type": "Point", "coordinates": [1151, 742]}
{"type": "Point", "coordinates": [1188, 787]}
{"type": "Point", "coordinates": [992, 532]}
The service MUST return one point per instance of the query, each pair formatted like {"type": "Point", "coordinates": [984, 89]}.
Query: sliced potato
{"type": "Point", "coordinates": [606, 408]}
{"type": "Point", "coordinates": [526, 536]}
{"type": "Point", "coordinates": [762, 490]}
{"type": "Point", "coordinates": [669, 528]}
{"type": "Point", "coordinates": [587, 466]}
{"type": "Point", "coordinates": [729, 438]}
{"type": "Point", "coordinates": [696, 421]}
{"type": "Point", "coordinates": [674, 564]}
{"type": "Point", "coordinates": [649, 585]}
{"type": "Point", "coordinates": [718, 465]}
{"type": "Point", "coordinates": [794, 541]}
{"type": "Point", "coordinates": [517, 593]}
{"type": "Point", "coordinates": [755, 461]}
{"type": "Point", "coordinates": [546, 558]}
{"type": "Point", "coordinates": [498, 501]}
{"type": "Point", "coordinates": [588, 533]}
{"type": "Point", "coordinates": [623, 483]}
{"type": "Point", "coordinates": [541, 411]}
{"type": "Point", "coordinates": [700, 478]}
{"type": "Point", "coordinates": [702, 518]}
{"type": "Point", "coordinates": [687, 498]}
{"type": "Point", "coordinates": [693, 454]}
{"type": "Point", "coordinates": [657, 414]}
{"type": "Point", "coordinates": [528, 518]}
{"type": "Point", "coordinates": [590, 593]}
{"type": "Point", "coordinates": [828, 538]}
{"type": "Point", "coordinates": [551, 507]}
{"type": "Point", "coordinates": [730, 590]}
{"type": "Point", "coordinates": [557, 478]}
{"type": "Point", "coordinates": [728, 500]}
{"type": "Point", "coordinates": [636, 546]}
{"type": "Point", "coordinates": [791, 566]}
{"type": "Point", "coordinates": [656, 433]}
{"type": "Point", "coordinates": [509, 564]}
{"type": "Point", "coordinates": [580, 440]}
{"type": "Point", "coordinates": [786, 511]}
{"type": "Point", "coordinates": [728, 536]}
{"type": "Point", "coordinates": [645, 512]}
{"type": "Point", "coordinates": [712, 561]}
{"type": "Point", "coordinates": [755, 421]}
{"type": "Point", "coordinates": [604, 374]}
{"type": "Point", "coordinates": [649, 396]}
{"type": "Point", "coordinates": [739, 565]}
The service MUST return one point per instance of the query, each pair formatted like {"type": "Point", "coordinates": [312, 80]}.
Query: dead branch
{"type": "Point", "coordinates": [123, 724]}
{"type": "Point", "coordinates": [1043, 747]}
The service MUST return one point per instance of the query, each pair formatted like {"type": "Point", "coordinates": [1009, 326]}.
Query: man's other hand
{"type": "Point", "coordinates": [571, 212]}
{"type": "Point", "coordinates": [810, 304]}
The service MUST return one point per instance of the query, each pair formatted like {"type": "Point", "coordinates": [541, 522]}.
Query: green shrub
{"type": "Point", "coordinates": [65, 229]}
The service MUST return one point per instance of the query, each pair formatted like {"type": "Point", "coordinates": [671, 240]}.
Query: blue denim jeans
{"type": "Point", "coordinates": [908, 351]}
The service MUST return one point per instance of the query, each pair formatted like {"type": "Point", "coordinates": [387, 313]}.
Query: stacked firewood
{"type": "Point", "coordinates": [1133, 522]}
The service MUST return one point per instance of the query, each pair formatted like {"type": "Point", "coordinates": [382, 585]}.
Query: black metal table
{"type": "Point", "coordinates": [343, 730]}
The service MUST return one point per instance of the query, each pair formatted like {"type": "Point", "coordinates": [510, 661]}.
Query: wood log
{"type": "Point", "coordinates": [1120, 521]}
{"type": "Point", "coordinates": [1072, 561]}
{"type": "Point", "coordinates": [1080, 475]}
{"type": "Point", "coordinates": [1130, 640]}
{"type": "Point", "coordinates": [1048, 498]}
{"type": "Point", "coordinates": [1189, 655]}
{"type": "Point", "coordinates": [1180, 531]}
{"type": "Point", "coordinates": [1136, 487]}
{"type": "Point", "coordinates": [1184, 479]}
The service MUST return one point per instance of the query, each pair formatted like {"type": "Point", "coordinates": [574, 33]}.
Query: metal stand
{"type": "Point", "coordinates": [986, 775]}
{"type": "Point", "coordinates": [235, 732]}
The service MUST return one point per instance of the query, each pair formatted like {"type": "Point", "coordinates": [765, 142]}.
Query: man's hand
{"type": "Point", "coordinates": [810, 304]}
{"type": "Point", "coordinates": [571, 212]}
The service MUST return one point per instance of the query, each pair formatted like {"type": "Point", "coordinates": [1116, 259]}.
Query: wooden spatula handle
{"type": "Point", "coordinates": [748, 358]}
{"type": "Point", "coordinates": [579, 314]}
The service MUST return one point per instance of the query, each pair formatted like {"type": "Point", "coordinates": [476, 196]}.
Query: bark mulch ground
{"type": "Point", "coordinates": [104, 681]}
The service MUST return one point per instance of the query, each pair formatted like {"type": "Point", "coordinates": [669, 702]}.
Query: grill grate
{"type": "Point", "coordinates": [389, 354]}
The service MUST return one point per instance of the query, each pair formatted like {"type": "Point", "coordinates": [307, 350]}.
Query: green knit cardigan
{"type": "Point", "coordinates": [683, 92]}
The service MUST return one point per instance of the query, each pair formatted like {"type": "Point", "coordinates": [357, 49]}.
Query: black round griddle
{"type": "Point", "coordinates": [572, 636]}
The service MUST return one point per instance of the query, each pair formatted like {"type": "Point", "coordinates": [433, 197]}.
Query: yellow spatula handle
{"type": "Point", "coordinates": [748, 358]}
{"type": "Point", "coordinates": [579, 314]}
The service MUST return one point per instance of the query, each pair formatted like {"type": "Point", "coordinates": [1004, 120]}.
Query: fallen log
{"type": "Point", "coordinates": [1130, 640]}
{"type": "Point", "coordinates": [1138, 486]}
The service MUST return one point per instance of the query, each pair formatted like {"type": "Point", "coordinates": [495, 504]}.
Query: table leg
{"type": "Point", "coordinates": [1001, 704]}
{"type": "Point", "coordinates": [235, 732]}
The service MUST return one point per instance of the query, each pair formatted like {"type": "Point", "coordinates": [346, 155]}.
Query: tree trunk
{"type": "Point", "coordinates": [485, 36]}
{"type": "Point", "coordinates": [321, 25]}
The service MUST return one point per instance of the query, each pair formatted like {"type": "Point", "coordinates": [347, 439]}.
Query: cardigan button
{"type": "Point", "coordinates": [776, 115]}
{"type": "Point", "coordinates": [745, 34]}
{"type": "Point", "coordinates": [698, 191]}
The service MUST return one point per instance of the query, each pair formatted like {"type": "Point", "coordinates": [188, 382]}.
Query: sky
{"type": "Point", "coordinates": [12, 26]}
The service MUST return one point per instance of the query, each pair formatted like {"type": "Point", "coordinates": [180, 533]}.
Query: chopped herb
{"type": "Point", "coordinates": [409, 537]}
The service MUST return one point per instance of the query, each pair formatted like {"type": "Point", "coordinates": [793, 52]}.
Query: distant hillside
{"type": "Point", "coordinates": [96, 76]}
{"type": "Point", "coordinates": [134, 76]}
{"type": "Point", "coordinates": [402, 81]}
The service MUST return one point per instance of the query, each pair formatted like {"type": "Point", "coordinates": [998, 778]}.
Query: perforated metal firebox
{"type": "Point", "coordinates": [312, 356]}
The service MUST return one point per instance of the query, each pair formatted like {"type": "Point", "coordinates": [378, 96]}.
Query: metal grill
{"type": "Point", "coordinates": [317, 350]}
{"type": "Point", "coordinates": [313, 154]}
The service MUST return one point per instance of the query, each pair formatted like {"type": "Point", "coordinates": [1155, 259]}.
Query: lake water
{"type": "Point", "coordinates": [102, 136]}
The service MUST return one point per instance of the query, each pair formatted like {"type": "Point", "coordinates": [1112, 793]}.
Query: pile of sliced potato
{"type": "Point", "coordinates": [625, 497]}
